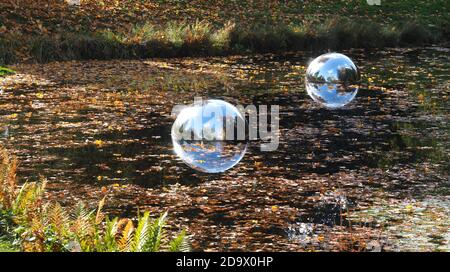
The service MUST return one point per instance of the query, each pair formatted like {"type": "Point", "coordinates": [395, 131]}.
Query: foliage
{"type": "Point", "coordinates": [40, 226]}
{"type": "Point", "coordinates": [6, 246]}
{"type": "Point", "coordinates": [142, 29]}
{"type": "Point", "coordinates": [7, 51]}
{"type": "Point", "coordinates": [5, 71]}
{"type": "Point", "coordinates": [201, 38]}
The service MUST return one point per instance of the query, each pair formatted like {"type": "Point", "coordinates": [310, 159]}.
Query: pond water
{"type": "Point", "coordinates": [373, 175]}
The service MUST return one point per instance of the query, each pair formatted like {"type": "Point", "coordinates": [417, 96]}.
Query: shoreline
{"type": "Point", "coordinates": [202, 40]}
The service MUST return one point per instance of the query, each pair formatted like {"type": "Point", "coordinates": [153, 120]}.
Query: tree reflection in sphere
{"type": "Point", "coordinates": [332, 80]}
{"type": "Point", "coordinates": [208, 136]}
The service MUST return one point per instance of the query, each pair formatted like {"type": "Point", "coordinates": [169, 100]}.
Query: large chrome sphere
{"type": "Point", "coordinates": [204, 136]}
{"type": "Point", "coordinates": [332, 80]}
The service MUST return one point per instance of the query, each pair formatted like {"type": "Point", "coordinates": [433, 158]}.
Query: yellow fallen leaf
{"type": "Point", "coordinates": [409, 208]}
{"type": "Point", "coordinates": [118, 103]}
{"type": "Point", "coordinates": [421, 98]}
{"type": "Point", "coordinates": [99, 143]}
{"type": "Point", "coordinates": [12, 116]}
{"type": "Point", "coordinates": [320, 238]}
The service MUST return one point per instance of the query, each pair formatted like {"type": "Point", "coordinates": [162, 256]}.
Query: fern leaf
{"type": "Point", "coordinates": [126, 237]}
{"type": "Point", "coordinates": [156, 233]}
{"type": "Point", "coordinates": [180, 243]}
{"type": "Point", "coordinates": [58, 218]}
{"type": "Point", "coordinates": [108, 241]}
{"type": "Point", "coordinates": [100, 216]}
{"type": "Point", "coordinates": [83, 223]}
{"type": "Point", "coordinates": [24, 198]}
{"type": "Point", "coordinates": [141, 233]}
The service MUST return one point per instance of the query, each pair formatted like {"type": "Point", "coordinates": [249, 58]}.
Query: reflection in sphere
{"type": "Point", "coordinates": [332, 80]}
{"type": "Point", "coordinates": [330, 94]}
{"type": "Point", "coordinates": [205, 136]}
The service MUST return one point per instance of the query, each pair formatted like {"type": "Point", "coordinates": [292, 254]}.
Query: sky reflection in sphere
{"type": "Point", "coordinates": [332, 80]}
{"type": "Point", "coordinates": [204, 136]}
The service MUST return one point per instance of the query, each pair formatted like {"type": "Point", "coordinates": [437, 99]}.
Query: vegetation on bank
{"type": "Point", "coordinates": [202, 39]}
{"type": "Point", "coordinates": [30, 223]}
{"type": "Point", "coordinates": [5, 71]}
{"type": "Point", "coordinates": [167, 28]}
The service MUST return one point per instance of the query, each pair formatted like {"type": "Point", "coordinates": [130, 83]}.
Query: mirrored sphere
{"type": "Point", "coordinates": [332, 80]}
{"type": "Point", "coordinates": [205, 136]}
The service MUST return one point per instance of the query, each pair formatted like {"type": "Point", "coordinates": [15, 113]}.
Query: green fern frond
{"type": "Point", "coordinates": [180, 243]}
{"type": "Point", "coordinates": [18, 202]}
{"type": "Point", "coordinates": [141, 233]}
{"type": "Point", "coordinates": [156, 234]}
{"type": "Point", "coordinates": [108, 241]}
{"type": "Point", "coordinates": [40, 225]}
{"type": "Point", "coordinates": [27, 197]}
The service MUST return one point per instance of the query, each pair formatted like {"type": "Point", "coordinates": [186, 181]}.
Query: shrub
{"type": "Point", "coordinates": [40, 225]}
{"type": "Point", "coordinates": [8, 47]}
{"type": "Point", "coordinates": [196, 40]}
{"type": "Point", "coordinates": [414, 34]}
{"type": "Point", "coordinates": [221, 38]}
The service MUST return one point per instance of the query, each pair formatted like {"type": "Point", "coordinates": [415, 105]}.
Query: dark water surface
{"type": "Point", "coordinates": [371, 176]}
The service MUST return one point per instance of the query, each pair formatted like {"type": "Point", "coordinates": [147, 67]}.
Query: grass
{"type": "Point", "coordinates": [202, 39]}
{"type": "Point", "coordinates": [8, 51]}
{"type": "Point", "coordinates": [169, 28]}
{"type": "Point", "coordinates": [5, 71]}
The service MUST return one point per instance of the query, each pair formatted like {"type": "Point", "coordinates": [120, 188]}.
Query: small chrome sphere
{"type": "Point", "coordinates": [332, 80]}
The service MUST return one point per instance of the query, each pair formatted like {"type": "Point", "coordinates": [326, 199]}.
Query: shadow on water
{"type": "Point", "coordinates": [110, 127]}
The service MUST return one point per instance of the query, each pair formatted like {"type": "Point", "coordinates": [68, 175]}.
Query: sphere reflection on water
{"type": "Point", "coordinates": [332, 80]}
{"type": "Point", "coordinates": [205, 137]}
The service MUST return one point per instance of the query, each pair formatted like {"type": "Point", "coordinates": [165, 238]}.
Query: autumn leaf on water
{"type": "Point", "coordinates": [421, 98]}
{"type": "Point", "coordinates": [409, 208]}
{"type": "Point", "coordinates": [99, 143]}
{"type": "Point", "coordinates": [12, 116]}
